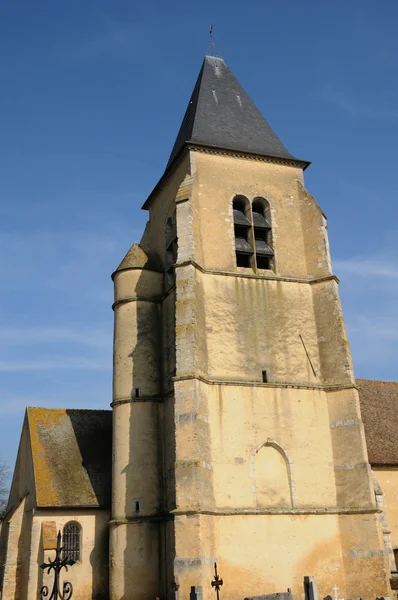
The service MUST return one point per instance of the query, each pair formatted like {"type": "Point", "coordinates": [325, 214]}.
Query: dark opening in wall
{"type": "Point", "coordinates": [137, 506]}
{"type": "Point", "coordinates": [240, 231]}
{"type": "Point", "coordinates": [171, 243]}
{"type": "Point", "coordinates": [136, 393]}
{"type": "Point", "coordinates": [263, 262]}
{"type": "Point", "coordinates": [243, 260]}
{"type": "Point", "coordinates": [265, 377]}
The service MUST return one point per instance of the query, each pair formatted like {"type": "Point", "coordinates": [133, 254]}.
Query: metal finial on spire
{"type": "Point", "coordinates": [211, 47]}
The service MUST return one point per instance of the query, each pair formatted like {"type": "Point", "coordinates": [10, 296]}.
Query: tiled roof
{"type": "Point", "coordinates": [379, 408]}
{"type": "Point", "coordinates": [72, 456]}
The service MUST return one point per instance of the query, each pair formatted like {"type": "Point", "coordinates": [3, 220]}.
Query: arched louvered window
{"type": "Point", "coordinates": [171, 248]}
{"type": "Point", "coordinates": [243, 232]}
{"type": "Point", "coordinates": [262, 233]}
{"type": "Point", "coordinates": [253, 233]}
{"type": "Point", "coordinates": [71, 540]}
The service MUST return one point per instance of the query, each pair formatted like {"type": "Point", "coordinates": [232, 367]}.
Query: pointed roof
{"type": "Point", "coordinates": [221, 115]}
{"type": "Point", "coordinates": [136, 258]}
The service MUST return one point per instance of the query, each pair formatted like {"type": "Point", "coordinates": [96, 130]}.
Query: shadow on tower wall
{"type": "Point", "coordinates": [150, 492]}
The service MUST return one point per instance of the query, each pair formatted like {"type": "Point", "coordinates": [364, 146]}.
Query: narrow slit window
{"type": "Point", "coordinates": [171, 242]}
{"type": "Point", "coordinates": [265, 377]}
{"type": "Point", "coordinates": [71, 541]}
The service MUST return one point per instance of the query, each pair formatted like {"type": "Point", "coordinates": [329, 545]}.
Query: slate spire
{"type": "Point", "coordinates": [221, 115]}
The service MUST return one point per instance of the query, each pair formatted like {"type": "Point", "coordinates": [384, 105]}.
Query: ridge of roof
{"type": "Point", "coordinates": [220, 114]}
{"type": "Point", "coordinates": [382, 381]}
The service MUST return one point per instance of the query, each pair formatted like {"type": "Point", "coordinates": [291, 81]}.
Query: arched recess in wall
{"type": "Point", "coordinates": [272, 471]}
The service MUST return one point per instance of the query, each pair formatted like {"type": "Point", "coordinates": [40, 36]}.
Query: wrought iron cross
{"type": "Point", "coordinates": [57, 565]}
{"type": "Point", "coordinates": [217, 582]}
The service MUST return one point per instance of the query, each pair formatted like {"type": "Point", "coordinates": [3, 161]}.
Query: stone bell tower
{"type": "Point", "coordinates": [237, 430]}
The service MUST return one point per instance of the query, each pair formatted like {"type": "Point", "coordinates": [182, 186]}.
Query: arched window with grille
{"type": "Point", "coordinates": [243, 232]}
{"type": "Point", "coordinates": [262, 233]}
{"type": "Point", "coordinates": [71, 540]}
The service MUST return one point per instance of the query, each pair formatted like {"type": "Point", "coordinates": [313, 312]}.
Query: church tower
{"type": "Point", "coordinates": [237, 431]}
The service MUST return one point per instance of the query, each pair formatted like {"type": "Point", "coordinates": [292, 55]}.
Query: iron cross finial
{"type": "Point", "coordinates": [57, 565]}
{"type": "Point", "coordinates": [217, 582]}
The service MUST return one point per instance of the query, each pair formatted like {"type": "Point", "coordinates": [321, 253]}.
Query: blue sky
{"type": "Point", "coordinates": [92, 95]}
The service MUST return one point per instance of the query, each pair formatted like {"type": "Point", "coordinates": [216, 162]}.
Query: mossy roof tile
{"type": "Point", "coordinates": [379, 409]}
{"type": "Point", "coordinates": [72, 456]}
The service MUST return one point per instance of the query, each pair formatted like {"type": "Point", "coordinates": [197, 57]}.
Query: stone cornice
{"type": "Point", "coordinates": [141, 519]}
{"type": "Point", "coordinates": [272, 384]}
{"type": "Point", "coordinates": [306, 510]}
{"type": "Point", "coordinates": [155, 299]}
{"type": "Point", "coordinates": [156, 398]}
{"type": "Point", "coordinates": [247, 512]}
{"type": "Point", "coordinates": [139, 399]}
{"type": "Point", "coordinates": [271, 276]}
{"type": "Point", "coordinates": [293, 162]}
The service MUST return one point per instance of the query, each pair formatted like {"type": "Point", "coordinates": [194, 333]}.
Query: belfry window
{"type": "Point", "coordinates": [242, 229]}
{"type": "Point", "coordinates": [262, 233]}
{"type": "Point", "coordinates": [71, 540]}
{"type": "Point", "coordinates": [171, 248]}
{"type": "Point", "coordinates": [253, 233]}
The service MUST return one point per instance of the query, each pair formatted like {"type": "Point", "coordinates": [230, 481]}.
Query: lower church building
{"type": "Point", "coordinates": [238, 433]}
